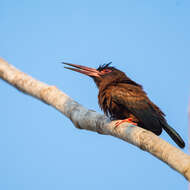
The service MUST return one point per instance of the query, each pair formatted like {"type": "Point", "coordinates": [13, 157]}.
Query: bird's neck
{"type": "Point", "coordinates": [103, 84]}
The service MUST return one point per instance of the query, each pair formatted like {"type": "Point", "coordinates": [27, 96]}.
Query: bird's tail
{"type": "Point", "coordinates": [174, 135]}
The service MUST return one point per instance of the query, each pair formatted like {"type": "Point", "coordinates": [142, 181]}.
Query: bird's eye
{"type": "Point", "coordinates": [106, 70]}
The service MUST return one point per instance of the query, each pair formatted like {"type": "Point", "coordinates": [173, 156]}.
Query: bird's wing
{"type": "Point", "coordinates": [135, 100]}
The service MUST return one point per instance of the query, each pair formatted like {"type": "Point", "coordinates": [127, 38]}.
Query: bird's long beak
{"type": "Point", "coordinates": [83, 69]}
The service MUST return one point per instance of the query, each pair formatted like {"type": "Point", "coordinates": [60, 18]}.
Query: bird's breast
{"type": "Point", "coordinates": [111, 108]}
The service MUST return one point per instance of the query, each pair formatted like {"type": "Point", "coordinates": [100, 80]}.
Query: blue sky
{"type": "Point", "coordinates": [40, 148]}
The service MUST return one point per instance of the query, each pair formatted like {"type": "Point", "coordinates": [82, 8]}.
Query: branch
{"type": "Point", "coordinates": [83, 118]}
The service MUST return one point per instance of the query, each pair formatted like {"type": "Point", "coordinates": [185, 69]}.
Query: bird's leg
{"type": "Point", "coordinates": [128, 120]}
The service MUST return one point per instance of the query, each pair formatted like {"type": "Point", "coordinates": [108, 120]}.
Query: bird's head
{"type": "Point", "coordinates": [103, 75]}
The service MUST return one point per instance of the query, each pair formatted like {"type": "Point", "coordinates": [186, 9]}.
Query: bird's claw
{"type": "Point", "coordinates": [128, 120]}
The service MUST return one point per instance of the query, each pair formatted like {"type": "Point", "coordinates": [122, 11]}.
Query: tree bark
{"type": "Point", "coordinates": [83, 118]}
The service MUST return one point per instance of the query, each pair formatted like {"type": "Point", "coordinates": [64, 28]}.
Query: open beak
{"type": "Point", "coordinates": [84, 70]}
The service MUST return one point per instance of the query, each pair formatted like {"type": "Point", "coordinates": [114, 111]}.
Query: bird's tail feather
{"type": "Point", "coordinates": [174, 135]}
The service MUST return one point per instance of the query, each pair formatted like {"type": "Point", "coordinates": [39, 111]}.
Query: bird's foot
{"type": "Point", "coordinates": [128, 120]}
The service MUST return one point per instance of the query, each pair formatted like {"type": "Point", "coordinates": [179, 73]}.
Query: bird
{"type": "Point", "coordinates": [121, 98]}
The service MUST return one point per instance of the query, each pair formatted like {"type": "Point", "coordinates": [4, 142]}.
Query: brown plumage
{"type": "Point", "coordinates": [120, 98]}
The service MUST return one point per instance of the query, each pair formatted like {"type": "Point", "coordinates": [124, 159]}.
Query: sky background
{"type": "Point", "coordinates": [40, 148]}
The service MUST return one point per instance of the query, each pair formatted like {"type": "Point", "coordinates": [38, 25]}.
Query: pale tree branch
{"type": "Point", "coordinates": [90, 120]}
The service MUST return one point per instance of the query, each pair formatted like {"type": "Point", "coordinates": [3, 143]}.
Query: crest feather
{"type": "Point", "coordinates": [104, 66]}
